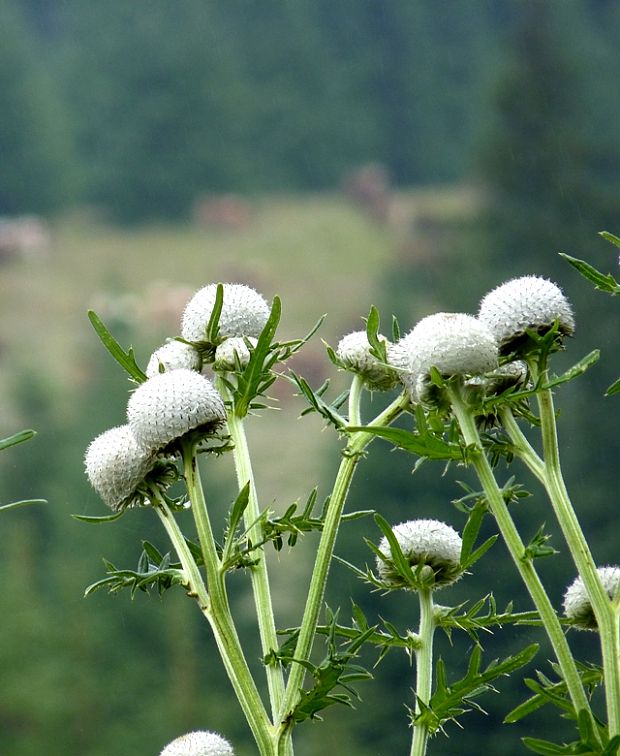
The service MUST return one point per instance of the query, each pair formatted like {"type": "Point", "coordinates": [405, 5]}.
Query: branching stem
{"type": "Point", "coordinates": [516, 548]}
{"type": "Point", "coordinates": [358, 441]}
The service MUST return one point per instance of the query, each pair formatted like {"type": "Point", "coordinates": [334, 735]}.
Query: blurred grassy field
{"type": "Point", "coordinates": [320, 254]}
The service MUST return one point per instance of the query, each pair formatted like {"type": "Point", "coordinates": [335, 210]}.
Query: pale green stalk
{"type": "Point", "coordinates": [549, 472]}
{"type": "Point", "coordinates": [220, 616]}
{"type": "Point", "coordinates": [424, 668]}
{"type": "Point", "coordinates": [358, 441]}
{"type": "Point", "coordinates": [604, 612]}
{"type": "Point", "coordinates": [515, 546]}
{"type": "Point", "coordinates": [258, 571]}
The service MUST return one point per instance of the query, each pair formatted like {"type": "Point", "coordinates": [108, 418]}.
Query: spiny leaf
{"type": "Point", "coordinates": [124, 358]}
{"type": "Point", "coordinates": [213, 326]}
{"type": "Point", "coordinates": [614, 388]}
{"type": "Point", "coordinates": [99, 519]}
{"type": "Point", "coordinates": [423, 445]}
{"type": "Point", "coordinates": [576, 370]}
{"type": "Point", "coordinates": [602, 281]}
{"type": "Point", "coordinates": [251, 381]}
{"type": "Point", "coordinates": [22, 503]}
{"type": "Point", "coordinates": [16, 438]}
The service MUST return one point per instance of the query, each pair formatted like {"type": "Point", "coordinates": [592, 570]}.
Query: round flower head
{"type": "Point", "coordinates": [577, 606]}
{"type": "Point", "coordinates": [527, 303]}
{"type": "Point", "coordinates": [244, 313]}
{"type": "Point", "coordinates": [200, 743]}
{"type": "Point", "coordinates": [172, 356]}
{"type": "Point", "coordinates": [168, 405]}
{"type": "Point", "coordinates": [354, 352]}
{"type": "Point", "coordinates": [233, 352]}
{"type": "Point", "coordinates": [116, 464]}
{"type": "Point", "coordinates": [429, 543]}
{"type": "Point", "coordinates": [454, 343]}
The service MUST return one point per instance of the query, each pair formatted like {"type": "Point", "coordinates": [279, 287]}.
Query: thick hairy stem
{"type": "Point", "coordinates": [424, 668]}
{"type": "Point", "coordinates": [604, 611]}
{"type": "Point", "coordinates": [220, 616]}
{"type": "Point", "coordinates": [259, 575]}
{"type": "Point", "coordinates": [515, 546]}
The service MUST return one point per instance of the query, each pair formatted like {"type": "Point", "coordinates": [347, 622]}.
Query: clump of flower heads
{"type": "Point", "coordinates": [424, 543]}
{"type": "Point", "coordinates": [244, 313]}
{"type": "Point", "coordinates": [173, 356]}
{"type": "Point", "coordinates": [354, 354]}
{"type": "Point", "coordinates": [116, 464]}
{"type": "Point", "coordinates": [522, 304]}
{"type": "Point", "coordinates": [199, 743]}
{"type": "Point", "coordinates": [577, 605]}
{"type": "Point", "coordinates": [169, 405]}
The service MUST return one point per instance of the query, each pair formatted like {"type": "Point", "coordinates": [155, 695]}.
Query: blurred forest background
{"type": "Point", "coordinates": [407, 153]}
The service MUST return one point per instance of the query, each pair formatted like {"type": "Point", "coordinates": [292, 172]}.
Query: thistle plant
{"type": "Point", "coordinates": [469, 391]}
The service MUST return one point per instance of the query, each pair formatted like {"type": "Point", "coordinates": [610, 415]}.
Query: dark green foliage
{"type": "Point", "coordinates": [35, 147]}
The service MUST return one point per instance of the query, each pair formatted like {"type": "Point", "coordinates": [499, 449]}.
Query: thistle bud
{"type": "Point", "coordinates": [168, 405]}
{"type": "Point", "coordinates": [429, 543]}
{"type": "Point", "coordinates": [577, 605]}
{"type": "Point", "coordinates": [526, 303]}
{"type": "Point", "coordinates": [244, 313]}
{"type": "Point", "coordinates": [454, 343]}
{"type": "Point", "coordinates": [172, 356]}
{"type": "Point", "coordinates": [353, 351]}
{"type": "Point", "coordinates": [233, 352]}
{"type": "Point", "coordinates": [116, 464]}
{"type": "Point", "coordinates": [199, 743]}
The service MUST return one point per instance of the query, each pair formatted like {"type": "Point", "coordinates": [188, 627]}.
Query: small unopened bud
{"type": "Point", "coordinates": [354, 352]}
{"type": "Point", "coordinates": [199, 743]}
{"type": "Point", "coordinates": [173, 356]}
{"type": "Point", "coordinates": [233, 352]}
{"type": "Point", "coordinates": [169, 405]}
{"type": "Point", "coordinates": [577, 604]}
{"type": "Point", "coordinates": [244, 313]}
{"type": "Point", "coordinates": [116, 464]}
{"type": "Point", "coordinates": [522, 304]}
{"type": "Point", "coordinates": [429, 543]}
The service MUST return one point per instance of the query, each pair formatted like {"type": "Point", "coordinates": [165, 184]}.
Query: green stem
{"type": "Point", "coordinates": [523, 449]}
{"type": "Point", "coordinates": [424, 668]}
{"type": "Point", "coordinates": [351, 456]}
{"type": "Point", "coordinates": [194, 581]}
{"type": "Point", "coordinates": [605, 613]}
{"type": "Point", "coordinates": [220, 616]}
{"type": "Point", "coordinates": [259, 575]}
{"type": "Point", "coordinates": [516, 548]}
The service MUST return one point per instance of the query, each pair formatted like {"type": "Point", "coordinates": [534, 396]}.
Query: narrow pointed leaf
{"type": "Point", "coordinates": [125, 359]}
{"type": "Point", "coordinates": [16, 438]}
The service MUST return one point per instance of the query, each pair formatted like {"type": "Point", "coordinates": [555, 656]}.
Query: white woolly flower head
{"type": "Point", "coordinates": [353, 351]}
{"type": "Point", "coordinates": [172, 356]}
{"type": "Point", "coordinates": [169, 405]}
{"type": "Point", "coordinates": [244, 313]}
{"type": "Point", "coordinates": [429, 543]}
{"type": "Point", "coordinates": [199, 743]}
{"type": "Point", "coordinates": [577, 605]}
{"type": "Point", "coordinates": [116, 464]}
{"type": "Point", "coordinates": [526, 303]}
{"type": "Point", "coordinates": [232, 351]}
{"type": "Point", "coordinates": [452, 342]}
